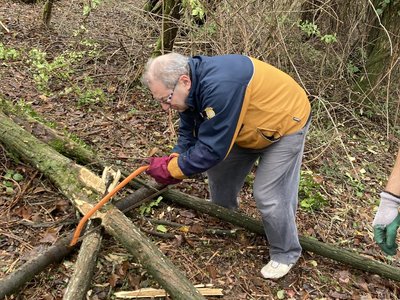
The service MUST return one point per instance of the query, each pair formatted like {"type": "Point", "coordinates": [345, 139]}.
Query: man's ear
{"type": "Point", "coordinates": [186, 81]}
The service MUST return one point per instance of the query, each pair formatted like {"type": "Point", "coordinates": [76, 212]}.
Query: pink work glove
{"type": "Point", "coordinates": [158, 169]}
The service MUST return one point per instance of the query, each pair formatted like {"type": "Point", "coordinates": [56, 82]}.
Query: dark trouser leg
{"type": "Point", "coordinates": [226, 179]}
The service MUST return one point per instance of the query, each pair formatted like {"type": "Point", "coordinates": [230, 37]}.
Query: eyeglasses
{"type": "Point", "coordinates": [167, 100]}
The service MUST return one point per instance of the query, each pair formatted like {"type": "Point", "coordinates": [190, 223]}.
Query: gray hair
{"type": "Point", "coordinates": [166, 69]}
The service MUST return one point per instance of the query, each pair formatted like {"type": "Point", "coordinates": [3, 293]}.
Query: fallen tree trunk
{"type": "Point", "coordinates": [13, 282]}
{"type": "Point", "coordinates": [62, 143]}
{"type": "Point", "coordinates": [55, 253]}
{"type": "Point", "coordinates": [309, 244]}
{"type": "Point", "coordinates": [82, 188]}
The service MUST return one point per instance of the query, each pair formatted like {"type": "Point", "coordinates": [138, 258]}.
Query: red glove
{"type": "Point", "coordinates": [158, 169]}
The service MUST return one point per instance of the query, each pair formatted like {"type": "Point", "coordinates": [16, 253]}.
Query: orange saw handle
{"type": "Point", "coordinates": [103, 201]}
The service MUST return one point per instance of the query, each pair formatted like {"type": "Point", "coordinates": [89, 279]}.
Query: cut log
{"type": "Point", "coordinates": [80, 281]}
{"type": "Point", "coordinates": [55, 253]}
{"type": "Point", "coordinates": [82, 188]}
{"type": "Point", "coordinates": [13, 282]}
{"type": "Point", "coordinates": [120, 227]}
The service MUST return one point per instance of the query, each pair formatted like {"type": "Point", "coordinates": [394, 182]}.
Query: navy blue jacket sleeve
{"type": "Point", "coordinates": [215, 134]}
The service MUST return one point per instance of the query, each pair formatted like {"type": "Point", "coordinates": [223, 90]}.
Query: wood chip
{"type": "Point", "coordinates": [150, 292]}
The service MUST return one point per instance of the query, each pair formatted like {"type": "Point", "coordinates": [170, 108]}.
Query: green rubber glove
{"type": "Point", "coordinates": [385, 236]}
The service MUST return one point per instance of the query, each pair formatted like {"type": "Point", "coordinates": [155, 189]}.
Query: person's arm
{"type": "Point", "coordinates": [387, 218]}
{"type": "Point", "coordinates": [393, 184]}
{"type": "Point", "coordinates": [216, 132]}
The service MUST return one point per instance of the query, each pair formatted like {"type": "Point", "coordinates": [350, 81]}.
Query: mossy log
{"type": "Point", "coordinates": [32, 122]}
{"type": "Point", "coordinates": [82, 188]}
{"type": "Point", "coordinates": [341, 255]}
{"type": "Point", "coordinates": [12, 282]}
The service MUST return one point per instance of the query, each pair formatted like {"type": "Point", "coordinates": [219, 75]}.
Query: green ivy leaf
{"type": "Point", "coordinates": [17, 177]}
{"type": "Point", "coordinates": [161, 228]}
{"type": "Point", "coordinates": [281, 294]}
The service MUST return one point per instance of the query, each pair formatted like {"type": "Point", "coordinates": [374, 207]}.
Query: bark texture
{"type": "Point", "coordinates": [55, 253]}
{"type": "Point", "coordinates": [346, 257]}
{"type": "Point", "coordinates": [80, 281]}
{"type": "Point", "coordinates": [80, 186]}
{"type": "Point", "coordinates": [169, 27]}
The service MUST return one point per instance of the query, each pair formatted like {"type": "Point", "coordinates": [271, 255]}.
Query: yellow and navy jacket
{"type": "Point", "coordinates": [235, 99]}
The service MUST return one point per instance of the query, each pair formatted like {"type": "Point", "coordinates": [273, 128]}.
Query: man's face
{"type": "Point", "coordinates": [172, 98]}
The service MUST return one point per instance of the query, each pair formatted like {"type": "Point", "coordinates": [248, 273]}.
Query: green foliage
{"type": "Point", "coordinates": [87, 8]}
{"type": "Point", "coordinates": [147, 209]}
{"type": "Point", "coordinates": [60, 68]}
{"type": "Point", "coordinates": [310, 192]}
{"type": "Point", "coordinates": [311, 29]}
{"type": "Point", "coordinates": [9, 179]}
{"type": "Point", "coordinates": [382, 5]}
{"type": "Point", "coordinates": [91, 96]}
{"type": "Point", "coordinates": [161, 228]}
{"type": "Point", "coordinates": [196, 8]}
{"type": "Point", "coordinates": [8, 53]}
{"type": "Point", "coordinates": [351, 68]}
{"type": "Point", "coordinates": [357, 186]}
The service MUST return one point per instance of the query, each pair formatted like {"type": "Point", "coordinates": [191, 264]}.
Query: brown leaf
{"type": "Point", "coordinates": [50, 236]}
{"type": "Point", "coordinates": [363, 285]}
{"type": "Point", "coordinates": [318, 179]}
{"type": "Point", "coordinates": [123, 268]}
{"type": "Point", "coordinates": [27, 213]}
{"type": "Point", "coordinates": [48, 297]}
{"type": "Point", "coordinates": [111, 89]}
{"type": "Point", "coordinates": [62, 205]}
{"type": "Point", "coordinates": [36, 217]}
{"type": "Point", "coordinates": [43, 98]}
{"type": "Point", "coordinates": [196, 228]}
{"type": "Point", "coordinates": [291, 293]}
{"type": "Point", "coordinates": [113, 280]}
{"type": "Point", "coordinates": [134, 281]}
{"type": "Point", "coordinates": [177, 242]}
{"type": "Point", "coordinates": [187, 214]}
{"type": "Point", "coordinates": [212, 271]}
{"type": "Point", "coordinates": [39, 190]}
{"type": "Point", "coordinates": [337, 295]}
{"type": "Point", "coordinates": [24, 212]}
{"type": "Point", "coordinates": [344, 276]}
{"type": "Point", "coordinates": [122, 155]}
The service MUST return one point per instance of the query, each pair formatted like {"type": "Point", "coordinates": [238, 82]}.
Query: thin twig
{"type": "Point", "coordinates": [288, 56]}
{"type": "Point", "coordinates": [383, 27]}
{"type": "Point", "coordinates": [340, 139]}
{"type": "Point", "coordinates": [4, 26]}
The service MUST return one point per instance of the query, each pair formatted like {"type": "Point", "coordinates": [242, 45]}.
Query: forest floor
{"type": "Point", "coordinates": [91, 89]}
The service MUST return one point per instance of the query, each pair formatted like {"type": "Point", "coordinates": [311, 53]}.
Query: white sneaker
{"type": "Point", "coordinates": [274, 270]}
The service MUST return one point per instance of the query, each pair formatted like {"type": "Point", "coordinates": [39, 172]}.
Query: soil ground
{"type": "Point", "coordinates": [126, 125]}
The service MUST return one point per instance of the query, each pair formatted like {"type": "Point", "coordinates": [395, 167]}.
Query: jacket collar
{"type": "Point", "coordinates": [194, 65]}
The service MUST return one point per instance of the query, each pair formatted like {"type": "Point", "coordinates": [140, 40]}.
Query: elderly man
{"type": "Point", "coordinates": [235, 110]}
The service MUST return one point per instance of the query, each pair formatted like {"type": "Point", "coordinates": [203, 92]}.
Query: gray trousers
{"type": "Point", "coordinates": [275, 189]}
